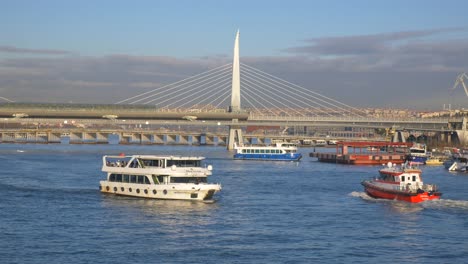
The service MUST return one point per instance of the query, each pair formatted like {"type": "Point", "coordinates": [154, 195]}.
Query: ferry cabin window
{"type": "Point", "coordinates": [133, 179]}
{"type": "Point", "coordinates": [161, 179]}
{"type": "Point", "coordinates": [414, 178]}
{"type": "Point", "coordinates": [152, 163]}
{"type": "Point", "coordinates": [402, 178]}
{"type": "Point", "coordinates": [141, 179]}
{"type": "Point", "coordinates": [184, 163]}
{"type": "Point", "coordinates": [155, 179]}
{"type": "Point", "coordinates": [188, 180]}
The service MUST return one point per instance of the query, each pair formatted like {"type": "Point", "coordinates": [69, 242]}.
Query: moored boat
{"type": "Point", "coordinates": [403, 183]}
{"type": "Point", "coordinates": [158, 177]}
{"type": "Point", "coordinates": [434, 161]}
{"type": "Point", "coordinates": [457, 162]}
{"type": "Point", "coordinates": [418, 153]}
{"type": "Point", "coordinates": [281, 151]}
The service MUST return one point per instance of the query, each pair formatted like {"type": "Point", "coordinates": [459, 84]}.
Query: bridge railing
{"type": "Point", "coordinates": [438, 120]}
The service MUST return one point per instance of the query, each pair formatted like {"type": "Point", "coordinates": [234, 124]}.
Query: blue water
{"type": "Point", "coordinates": [268, 212]}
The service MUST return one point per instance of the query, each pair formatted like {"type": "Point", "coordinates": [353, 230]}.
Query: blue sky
{"type": "Point", "coordinates": [200, 28]}
{"type": "Point", "coordinates": [185, 30]}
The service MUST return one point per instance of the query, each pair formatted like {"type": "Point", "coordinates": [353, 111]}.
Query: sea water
{"type": "Point", "coordinates": [51, 211]}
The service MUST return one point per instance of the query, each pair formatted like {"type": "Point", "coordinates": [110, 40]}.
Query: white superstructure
{"type": "Point", "coordinates": [159, 177]}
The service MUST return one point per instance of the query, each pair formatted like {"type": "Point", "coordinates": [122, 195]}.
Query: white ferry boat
{"type": "Point", "coordinates": [159, 177]}
{"type": "Point", "coordinates": [280, 151]}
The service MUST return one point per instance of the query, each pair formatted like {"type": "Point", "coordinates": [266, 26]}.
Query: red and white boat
{"type": "Point", "coordinates": [402, 183]}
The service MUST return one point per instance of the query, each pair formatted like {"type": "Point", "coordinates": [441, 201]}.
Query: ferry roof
{"type": "Point", "coordinates": [168, 157]}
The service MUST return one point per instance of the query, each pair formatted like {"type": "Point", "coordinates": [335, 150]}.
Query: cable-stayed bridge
{"type": "Point", "coordinates": [267, 99]}
{"type": "Point", "coordinates": [240, 95]}
{"type": "Point", "coordinates": [262, 94]}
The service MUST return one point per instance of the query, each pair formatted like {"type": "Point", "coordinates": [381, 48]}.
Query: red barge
{"type": "Point", "coordinates": [403, 183]}
{"type": "Point", "coordinates": [366, 153]}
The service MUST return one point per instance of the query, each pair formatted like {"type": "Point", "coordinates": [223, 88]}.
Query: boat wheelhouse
{"type": "Point", "coordinates": [280, 151]}
{"type": "Point", "coordinates": [403, 183]}
{"type": "Point", "coordinates": [159, 177]}
{"type": "Point", "coordinates": [418, 153]}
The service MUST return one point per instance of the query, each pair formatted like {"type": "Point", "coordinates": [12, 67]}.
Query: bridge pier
{"type": "Point", "coordinates": [235, 136]}
{"type": "Point", "coordinates": [398, 137]}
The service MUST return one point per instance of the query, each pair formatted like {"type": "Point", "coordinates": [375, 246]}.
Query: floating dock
{"type": "Point", "coordinates": [365, 153]}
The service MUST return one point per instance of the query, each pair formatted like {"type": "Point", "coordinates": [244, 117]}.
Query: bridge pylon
{"type": "Point", "coordinates": [235, 132]}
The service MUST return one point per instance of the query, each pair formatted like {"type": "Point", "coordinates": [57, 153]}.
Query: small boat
{"type": "Point", "coordinates": [403, 183]}
{"type": "Point", "coordinates": [434, 161]}
{"type": "Point", "coordinates": [281, 151]}
{"type": "Point", "coordinates": [456, 163]}
{"type": "Point", "coordinates": [158, 177]}
{"type": "Point", "coordinates": [320, 143]}
{"type": "Point", "coordinates": [418, 153]}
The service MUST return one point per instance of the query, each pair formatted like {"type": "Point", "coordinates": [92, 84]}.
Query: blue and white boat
{"type": "Point", "coordinates": [418, 154]}
{"type": "Point", "coordinates": [279, 151]}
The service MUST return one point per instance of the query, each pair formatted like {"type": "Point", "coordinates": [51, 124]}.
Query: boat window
{"type": "Point", "coordinates": [155, 179]}
{"type": "Point", "coordinates": [188, 180]}
{"type": "Point", "coordinates": [140, 179]}
{"type": "Point", "coordinates": [118, 178]}
{"type": "Point", "coordinates": [402, 178]}
{"type": "Point", "coordinates": [134, 164]}
{"type": "Point", "coordinates": [161, 179]}
{"type": "Point", "coordinates": [257, 151]}
{"type": "Point", "coordinates": [262, 151]}
{"type": "Point", "coordinates": [184, 163]}
{"type": "Point", "coordinates": [125, 178]}
{"type": "Point", "coordinates": [414, 178]}
{"type": "Point", "coordinates": [112, 177]}
{"type": "Point", "coordinates": [132, 178]}
{"type": "Point", "coordinates": [151, 163]}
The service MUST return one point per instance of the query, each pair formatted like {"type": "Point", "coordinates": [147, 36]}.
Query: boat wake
{"type": "Point", "coordinates": [441, 204]}
{"type": "Point", "coordinates": [362, 195]}
{"type": "Point", "coordinates": [446, 204]}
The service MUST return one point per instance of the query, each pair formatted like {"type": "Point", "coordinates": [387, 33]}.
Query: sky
{"type": "Point", "coordinates": [384, 54]}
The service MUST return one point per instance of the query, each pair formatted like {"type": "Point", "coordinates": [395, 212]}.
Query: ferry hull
{"type": "Point", "coordinates": [381, 193]}
{"type": "Point", "coordinates": [277, 157]}
{"type": "Point", "coordinates": [417, 159]}
{"type": "Point", "coordinates": [201, 192]}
